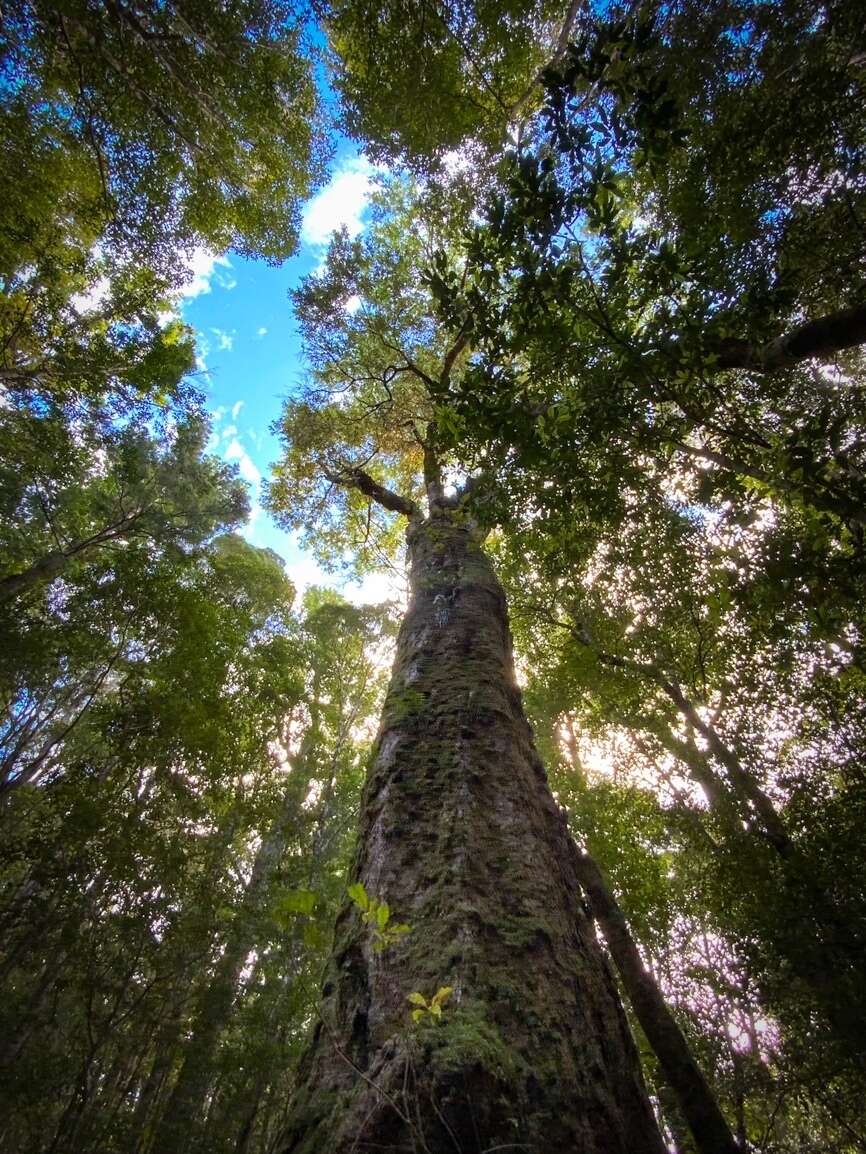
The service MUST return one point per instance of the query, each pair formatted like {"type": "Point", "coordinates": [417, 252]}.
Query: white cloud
{"type": "Point", "coordinates": [251, 526]}
{"type": "Point", "coordinates": [230, 431]}
{"type": "Point", "coordinates": [202, 351]}
{"type": "Point", "coordinates": [236, 408]}
{"type": "Point", "coordinates": [262, 331]}
{"type": "Point", "coordinates": [340, 203]}
{"type": "Point", "coordinates": [246, 465]}
{"type": "Point", "coordinates": [202, 268]}
{"type": "Point", "coordinates": [225, 340]}
{"type": "Point", "coordinates": [352, 304]}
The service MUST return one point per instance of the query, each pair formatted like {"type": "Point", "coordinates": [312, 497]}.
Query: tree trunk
{"type": "Point", "coordinates": [142, 1127]}
{"type": "Point", "coordinates": [459, 833]}
{"type": "Point", "coordinates": [744, 783]}
{"type": "Point", "coordinates": [214, 1004]}
{"type": "Point", "coordinates": [46, 569]}
{"type": "Point", "coordinates": [695, 1099]}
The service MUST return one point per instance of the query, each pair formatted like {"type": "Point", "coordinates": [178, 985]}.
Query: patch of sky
{"type": "Point", "coordinates": [250, 357]}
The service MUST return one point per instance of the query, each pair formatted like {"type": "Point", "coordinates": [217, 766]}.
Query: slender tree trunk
{"type": "Point", "coordinates": [165, 1051]}
{"type": "Point", "coordinates": [214, 1005]}
{"type": "Point", "coordinates": [753, 802]}
{"type": "Point", "coordinates": [744, 783]}
{"type": "Point", "coordinates": [695, 1099]}
{"type": "Point", "coordinates": [459, 833]}
{"type": "Point", "coordinates": [251, 1112]}
{"type": "Point", "coordinates": [53, 563]}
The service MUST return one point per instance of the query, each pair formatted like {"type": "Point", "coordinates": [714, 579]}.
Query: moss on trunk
{"type": "Point", "coordinates": [459, 833]}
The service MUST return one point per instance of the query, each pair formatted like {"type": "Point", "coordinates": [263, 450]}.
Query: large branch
{"type": "Point", "coordinates": [820, 338]}
{"type": "Point", "coordinates": [357, 479]}
{"type": "Point", "coordinates": [52, 564]}
{"type": "Point", "coordinates": [432, 471]}
{"type": "Point", "coordinates": [460, 343]}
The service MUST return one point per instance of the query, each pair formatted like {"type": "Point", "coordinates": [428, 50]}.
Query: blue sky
{"type": "Point", "coordinates": [250, 355]}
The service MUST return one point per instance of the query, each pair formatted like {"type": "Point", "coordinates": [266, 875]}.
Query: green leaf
{"type": "Point", "coordinates": [314, 936]}
{"type": "Point", "coordinates": [359, 896]}
{"type": "Point", "coordinates": [298, 902]}
{"type": "Point", "coordinates": [416, 999]}
{"type": "Point", "coordinates": [383, 913]}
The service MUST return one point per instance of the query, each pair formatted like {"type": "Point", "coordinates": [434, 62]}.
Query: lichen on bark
{"type": "Point", "coordinates": [460, 834]}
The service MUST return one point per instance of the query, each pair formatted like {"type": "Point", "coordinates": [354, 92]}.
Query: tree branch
{"type": "Point", "coordinates": [562, 42]}
{"type": "Point", "coordinates": [819, 338]}
{"type": "Point", "coordinates": [357, 479]}
{"type": "Point", "coordinates": [432, 470]}
{"type": "Point", "coordinates": [451, 356]}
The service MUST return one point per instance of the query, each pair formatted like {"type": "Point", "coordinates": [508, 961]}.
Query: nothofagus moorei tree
{"type": "Point", "coordinates": [459, 833]}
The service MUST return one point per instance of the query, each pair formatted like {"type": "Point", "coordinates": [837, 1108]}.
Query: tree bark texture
{"type": "Point", "coordinates": [822, 337]}
{"type": "Point", "coordinates": [460, 834]}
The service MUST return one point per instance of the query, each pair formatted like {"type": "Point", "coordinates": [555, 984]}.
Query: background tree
{"type": "Point", "coordinates": [168, 898]}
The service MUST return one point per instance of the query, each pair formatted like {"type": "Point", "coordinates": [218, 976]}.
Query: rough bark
{"type": "Point", "coordinates": [693, 1095]}
{"type": "Point", "coordinates": [459, 833]}
{"type": "Point", "coordinates": [364, 483]}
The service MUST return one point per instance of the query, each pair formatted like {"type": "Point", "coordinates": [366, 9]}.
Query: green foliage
{"type": "Point", "coordinates": [416, 82]}
{"type": "Point", "coordinates": [377, 915]}
{"type": "Point", "coordinates": [370, 398]}
{"type": "Point", "coordinates": [170, 846]}
{"type": "Point", "coordinates": [678, 524]}
{"type": "Point", "coordinates": [174, 124]}
{"type": "Point", "coordinates": [429, 1010]}
{"type": "Point", "coordinates": [132, 135]}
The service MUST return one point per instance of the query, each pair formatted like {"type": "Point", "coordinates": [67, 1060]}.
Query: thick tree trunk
{"type": "Point", "coordinates": [695, 1099]}
{"type": "Point", "coordinates": [46, 569]}
{"type": "Point", "coordinates": [459, 833]}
